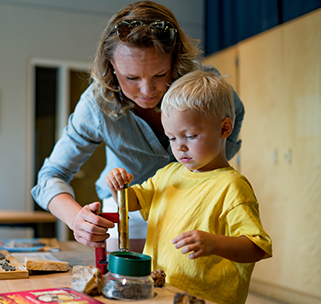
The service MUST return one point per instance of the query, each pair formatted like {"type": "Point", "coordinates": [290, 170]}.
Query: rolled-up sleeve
{"type": "Point", "coordinates": [233, 145]}
{"type": "Point", "coordinates": [79, 140]}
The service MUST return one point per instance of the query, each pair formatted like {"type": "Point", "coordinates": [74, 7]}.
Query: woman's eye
{"type": "Point", "coordinates": [131, 78]}
{"type": "Point", "coordinates": [171, 139]}
{"type": "Point", "coordinates": [161, 75]}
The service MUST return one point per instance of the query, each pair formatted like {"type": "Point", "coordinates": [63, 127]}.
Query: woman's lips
{"type": "Point", "coordinates": [147, 99]}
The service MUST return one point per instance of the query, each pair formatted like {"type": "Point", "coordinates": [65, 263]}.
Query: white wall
{"type": "Point", "coordinates": [56, 30]}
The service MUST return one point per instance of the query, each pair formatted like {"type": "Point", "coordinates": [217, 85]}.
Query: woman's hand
{"type": "Point", "coordinates": [88, 228]}
{"type": "Point", "coordinates": [117, 178]}
{"type": "Point", "coordinates": [91, 229]}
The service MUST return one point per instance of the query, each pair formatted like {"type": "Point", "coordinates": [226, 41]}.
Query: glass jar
{"type": "Point", "coordinates": [128, 277]}
{"type": "Point", "coordinates": [125, 287]}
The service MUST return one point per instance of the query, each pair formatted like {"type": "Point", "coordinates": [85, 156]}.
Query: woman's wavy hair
{"type": "Point", "coordinates": [184, 50]}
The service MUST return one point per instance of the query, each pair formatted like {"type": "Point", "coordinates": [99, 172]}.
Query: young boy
{"type": "Point", "coordinates": [200, 204]}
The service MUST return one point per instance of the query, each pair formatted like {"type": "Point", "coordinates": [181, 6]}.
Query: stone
{"type": "Point", "coordinates": [186, 298]}
{"type": "Point", "coordinates": [87, 279]}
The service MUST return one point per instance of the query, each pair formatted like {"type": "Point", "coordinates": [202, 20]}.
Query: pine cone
{"type": "Point", "coordinates": [159, 277]}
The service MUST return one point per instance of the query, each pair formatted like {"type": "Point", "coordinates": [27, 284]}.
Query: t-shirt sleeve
{"type": "Point", "coordinates": [243, 218]}
{"type": "Point", "coordinates": [146, 191]}
{"type": "Point", "coordinates": [144, 194]}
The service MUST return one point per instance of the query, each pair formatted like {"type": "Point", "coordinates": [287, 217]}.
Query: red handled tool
{"type": "Point", "coordinates": [101, 253]}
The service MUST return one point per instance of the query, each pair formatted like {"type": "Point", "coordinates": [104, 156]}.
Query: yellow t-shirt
{"type": "Point", "coordinates": [221, 202]}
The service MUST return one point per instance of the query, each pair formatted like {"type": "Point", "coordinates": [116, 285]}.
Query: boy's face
{"type": "Point", "coordinates": [196, 142]}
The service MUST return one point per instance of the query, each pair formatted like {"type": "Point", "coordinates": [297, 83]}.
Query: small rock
{"type": "Point", "coordinates": [185, 298]}
{"type": "Point", "coordinates": [87, 279]}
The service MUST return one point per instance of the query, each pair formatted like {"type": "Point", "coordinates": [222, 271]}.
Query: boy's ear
{"type": "Point", "coordinates": [227, 127]}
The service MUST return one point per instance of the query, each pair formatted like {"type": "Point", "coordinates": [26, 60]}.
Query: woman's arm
{"type": "Point", "coordinates": [78, 142]}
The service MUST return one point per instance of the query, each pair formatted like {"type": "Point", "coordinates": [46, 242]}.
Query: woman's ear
{"type": "Point", "coordinates": [226, 127]}
{"type": "Point", "coordinates": [112, 63]}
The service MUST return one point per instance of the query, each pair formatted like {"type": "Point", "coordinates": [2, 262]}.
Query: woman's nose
{"type": "Point", "coordinates": [147, 88]}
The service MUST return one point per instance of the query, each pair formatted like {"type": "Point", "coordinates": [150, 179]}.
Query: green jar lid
{"type": "Point", "coordinates": [131, 264]}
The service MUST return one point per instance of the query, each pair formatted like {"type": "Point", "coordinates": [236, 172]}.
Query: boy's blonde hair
{"type": "Point", "coordinates": [203, 91]}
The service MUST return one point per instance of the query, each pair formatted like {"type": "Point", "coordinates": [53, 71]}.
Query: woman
{"type": "Point", "coordinates": [141, 52]}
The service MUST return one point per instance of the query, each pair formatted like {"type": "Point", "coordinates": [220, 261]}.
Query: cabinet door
{"type": "Point", "coordinates": [265, 137]}
{"type": "Point", "coordinates": [302, 84]}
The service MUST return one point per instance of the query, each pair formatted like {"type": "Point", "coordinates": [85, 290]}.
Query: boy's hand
{"type": "Point", "coordinates": [196, 241]}
{"type": "Point", "coordinates": [200, 243]}
{"type": "Point", "coordinates": [117, 178]}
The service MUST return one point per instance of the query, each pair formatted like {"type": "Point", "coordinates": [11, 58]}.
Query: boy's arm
{"type": "Point", "coordinates": [116, 180]}
{"type": "Point", "coordinates": [200, 243]}
{"type": "Point", "coordinates": [239, 249]}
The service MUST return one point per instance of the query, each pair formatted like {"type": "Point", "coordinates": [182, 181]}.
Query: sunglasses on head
{"type": "Point", "coordinates": [162, 30]}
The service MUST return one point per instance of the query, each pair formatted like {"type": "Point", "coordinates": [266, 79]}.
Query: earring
{"type": "Point", "coordinates": [114, 72]}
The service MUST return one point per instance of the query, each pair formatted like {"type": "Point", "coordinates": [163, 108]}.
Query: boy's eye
{"type": "Point", "coordinates": [191, 137]}
{"type": "Point", "coordinates": [171, 139]}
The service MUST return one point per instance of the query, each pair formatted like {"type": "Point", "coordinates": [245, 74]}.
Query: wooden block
{"type": "Point", "coordinates": [45, 265]}
{"type": "Point", "coordinates": [19, 270]}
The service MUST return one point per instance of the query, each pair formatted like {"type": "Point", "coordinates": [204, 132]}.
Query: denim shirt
{"type": "Point", "coordinates": [129, 143]}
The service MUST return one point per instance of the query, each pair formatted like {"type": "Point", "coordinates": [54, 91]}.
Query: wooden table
{"type": "Point", "coordinates": [31, 219]}
{"type": "Point", "coordinates": [77, 254]}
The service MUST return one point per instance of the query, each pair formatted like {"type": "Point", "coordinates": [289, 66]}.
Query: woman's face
{"type": "Point", "coordinates": [143, 75]}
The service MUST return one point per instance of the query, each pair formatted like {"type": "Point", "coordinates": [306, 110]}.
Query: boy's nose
{"type": "Point", "coordinates": [181, 147]}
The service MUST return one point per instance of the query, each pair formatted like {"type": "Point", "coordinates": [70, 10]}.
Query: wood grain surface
{"type": "Point", "coordinates": [76, 254]}
{"type": "Point", "coordinates": [18, 273]}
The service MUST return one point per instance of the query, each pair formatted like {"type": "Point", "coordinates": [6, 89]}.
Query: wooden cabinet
{"type": "Point", "coordinates": [279, 81]}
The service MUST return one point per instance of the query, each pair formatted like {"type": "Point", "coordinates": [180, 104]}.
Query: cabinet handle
{"type": "Point", "coordinates": [288, 156]}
